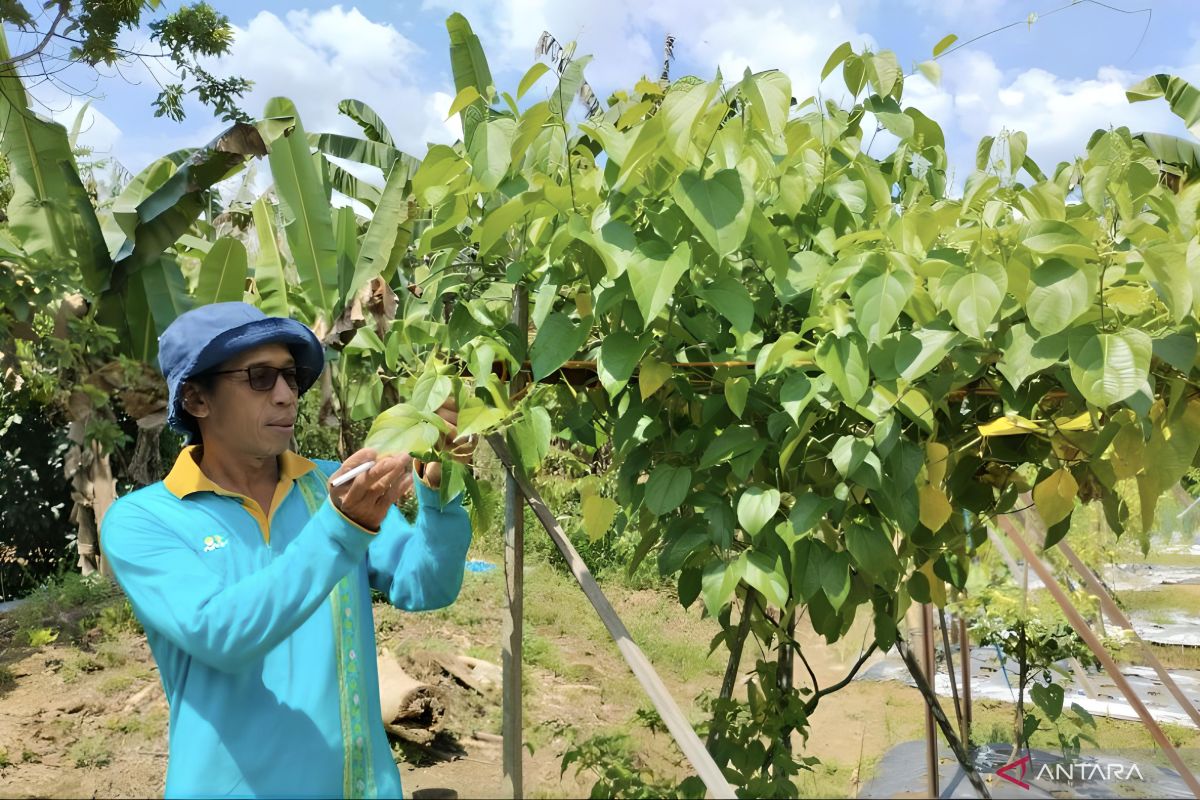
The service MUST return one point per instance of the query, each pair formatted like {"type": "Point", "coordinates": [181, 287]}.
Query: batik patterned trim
{"type": "Point", "coordinates": [358, 777]}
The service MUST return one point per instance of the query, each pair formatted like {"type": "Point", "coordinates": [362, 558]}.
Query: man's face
{"type": "Point", "coordinates": [236, 417]}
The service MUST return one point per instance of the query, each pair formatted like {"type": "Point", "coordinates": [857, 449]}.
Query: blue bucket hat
{"type": "Point", "coordinates": [210, 335]}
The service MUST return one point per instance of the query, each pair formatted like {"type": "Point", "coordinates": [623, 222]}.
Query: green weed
{"type": "Point", "coordinates": [5, 761]}
{"type": "Point", "coordinates": [8, 680]}
{"type": "Point", "coordinates": [90, 751]}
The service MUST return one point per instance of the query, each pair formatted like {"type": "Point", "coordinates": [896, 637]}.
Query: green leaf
{"type": "Point", "coordinates": [403, 428]}
{"type": "Point", "coordinates": [731, 442]}
{"type": "Point", "coordinates": [736, 392]}
{"type": "Point", "coordinates": [769, 94]}
{"type": "Point", "coordinates": [1055, 496]}
{"type": "Point", "coordinates": [223, 273]}
{"type": "Point", "coordinates": [667, 488]}
{"type": "Point", "coordinates": [468, 95]}
{"type": "Point", "coordinates": [1054, 238]}
{"type": "Point", "coordinates": [879, 292]}
{"type": "Point", "coordinates": [556, 341]}
{"type": "Point", "coordinates": [490, 151]}
{"type": "Point", "coordinates": [598, 515]}
{"type": "Point", "coordinates": [840, 53]}
{"type": "Point", "coordinates": [943, 43]}
{"type": "Point", "coordinates": [652, 374]}
{"type": "Point", "coordinates": [470, 68]}
{"type": "Point", "coordinates": [1109, 367]}
{"type": "Point", "coordinates": [569, 84]}
{"type": "Point", "coordinates": [1049, 698]}
{"type": "Point", "coordinates": [654, 271]}
{"type": "Point", "coordinates": [872, 549]}
{"type": "Point", "coordinates": [883, 71]}
{"type": "Point", "coordinates": [856, 460]}
{"type": "Point", "coordinates": [531, 76]}
{"type": "Point", "coordinates": [366, 118]}
{"type": "Point", "coordinates": [269, 277]}
{"type": "Point", "coordinates": [795, 394]}
{"type": "Point", "coordinates": [844, 360]}
{"type": "Point", "coordinates": [765, 573]}
{"type": "Point", "coordinates": [1183, 98]}
{"type": "Point", "coordinates": [620, 353]}
{"type": "Point", "coordinates": [719, 582]}
{"type": "Point", "coordinates": [1025, 353]}
{"type": "Point", "coordinates": [973, 298]}
{"type": "Point", "coordinates": [851, 194]}
{"type": "Point", "coordinates": [756, 507]}
{"type": "Point", "coordinates": [719, 206]}
{"type": "Point", "coordinates": [308, 217]}
{"type": "Point", "coordinates": [730, 299]}
{"type": "Point", "coordinates": [384, 234]}
{"type": "Point", "coordinates": [362, 151]}
{"type": "Point", "coordinates": [932, 72]}
{"type": "Point", "coordinates": [1059, 296]}
{"type": "Point", "coordinates": [478, 419]}
{"type": "Point", "coordinates": [430, 391]}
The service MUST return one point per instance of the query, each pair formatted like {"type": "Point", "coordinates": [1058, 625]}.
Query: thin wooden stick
{"type": "Point", "coordinates": [513, 624]}
{"type": "Point", "coordinates": [685, 737]}
{"type": "Point", "coordinates": [950, 667]}
{"type": "Point", "coordinates": [1110, 666]}
{"type": "Point", "coordinates": [927, 666]}
{"type": "Point", "coordinates": [931, 702]}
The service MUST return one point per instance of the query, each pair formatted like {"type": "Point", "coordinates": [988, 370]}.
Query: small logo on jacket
{"type": "Point", "coordinates": [214, 543]}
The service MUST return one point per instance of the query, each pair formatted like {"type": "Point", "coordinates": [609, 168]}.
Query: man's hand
{"type": "Point", "coordinates": [461, 451]}
{"type": "Point", "coordinates": [366, 499]}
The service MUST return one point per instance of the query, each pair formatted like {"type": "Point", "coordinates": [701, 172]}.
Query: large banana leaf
{"type": "Point", "coordinates": [144, 184]}
{"type": "Point", "coordinates": [1181, 96]}
{"type": "Point", "coordinates": [1174, 151]}
{"type": "Point", "coordinates": [171, 209]}
{"type": "Point", "coordinates": [269, 275]}
{"type": "Point", "coordinates": [153, 297]}
{"type": "Point", "coordinates": [49, 214]}
{"type": "Point", "coordinates": [223, 272]}
{"type": "Point", "coordinates": [470, 68]}
{"type": "Point", "coordinates": [308, 217]}
{"type": "Point", "coordinates": [346, 234]}
{"type": "Point", "coordinates": [351, 148]}
{"type": "Point", "coordinates": [368, 120]}
{"type": "Point", "coordinates": [352, 187]}
{"type": "Point", "coordinates": [386, 231]}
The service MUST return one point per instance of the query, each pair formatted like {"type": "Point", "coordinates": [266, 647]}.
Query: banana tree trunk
{"type": "Point", "coordinates": [93, 490]}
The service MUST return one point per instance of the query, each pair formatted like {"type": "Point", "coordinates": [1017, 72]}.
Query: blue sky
{"type": "Point", "coordinates": [1058, 79]}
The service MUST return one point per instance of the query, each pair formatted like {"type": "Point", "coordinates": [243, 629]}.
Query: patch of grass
{"type": "Point", "coordinates": [117, 618]}
{"type": "Point", "coordinates": [8, 680]}
{"type": "Point", "coordinates": [115, 684]}
{"type": "Point", "coordinates": [1185, 598]}
{"type": "Point", "coordinates": [826, 779]}
{"type": "Point", "coordinates": [90, 751]}
{"type": "Point", "coordinates": [111, 655]}
{"type": "Point", "coordinates": [148, 725]}
{"type": "Point", "coordinates": [30, 757]}
{"type": "Point", "coordinates": [71, 604]}
{"type": "Point", "coordinates": [5, 761]}
{"type": "Point", "coordinates": [539, 651]}
{"type": "Point", "coordinates": [78, 664]}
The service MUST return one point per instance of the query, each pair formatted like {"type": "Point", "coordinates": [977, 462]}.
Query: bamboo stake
{"type": "Point", "coordinates": [929, 660]}
{"type": "Point", "coordinates": [1085, 632]}
{"type": "Point", "coordinates": [685, 737]}
{"type": "Point", "coordinates": [513, 625]}
{"type": "Point", "coordinates": [931, 702]}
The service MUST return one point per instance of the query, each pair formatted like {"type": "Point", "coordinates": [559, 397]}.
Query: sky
{"type": "Point", "coordinates": [1058, 77]}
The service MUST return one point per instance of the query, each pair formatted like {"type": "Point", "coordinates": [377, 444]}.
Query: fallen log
{"type": "Point", "coordinates": [411, 709]}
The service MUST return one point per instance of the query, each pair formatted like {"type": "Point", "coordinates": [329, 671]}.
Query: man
{"type": "Point", "coordinates": [253, 578]}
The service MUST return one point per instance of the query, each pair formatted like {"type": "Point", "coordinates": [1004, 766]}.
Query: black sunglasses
{"type": "Point", "coordinates": [263, 378]}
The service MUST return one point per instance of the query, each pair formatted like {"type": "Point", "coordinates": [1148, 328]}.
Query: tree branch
{"type": "Point", "coordinates": [62, 14]}
{"type": "Point", "coordinates": [811, 705]}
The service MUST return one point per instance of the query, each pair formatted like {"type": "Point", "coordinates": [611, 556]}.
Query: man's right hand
{"type": "Point", "coordinates": [365, 500]}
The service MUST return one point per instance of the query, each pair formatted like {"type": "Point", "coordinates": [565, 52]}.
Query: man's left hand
{"type": "Point", "coordinates": [460, 450]}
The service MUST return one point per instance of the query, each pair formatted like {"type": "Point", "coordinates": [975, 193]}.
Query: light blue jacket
{"type": "Point", "coordinates": [262, 629]}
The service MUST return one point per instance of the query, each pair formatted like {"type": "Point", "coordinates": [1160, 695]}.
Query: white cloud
{"type": "Point", "coordinates": [1058, 114]}
{"type": "Point", "coordinates": [319, 58]}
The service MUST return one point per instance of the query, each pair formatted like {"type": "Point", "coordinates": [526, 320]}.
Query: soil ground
{"type": "Point", "coordinates": [84, 715]}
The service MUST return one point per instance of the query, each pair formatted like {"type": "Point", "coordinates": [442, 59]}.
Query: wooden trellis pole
{"type": "Point", "coordinates": [685, 737]}
{"type": "Point", "coordinates": [1106, 660]}
{"type": "Point", "coordinates": [513, 626]}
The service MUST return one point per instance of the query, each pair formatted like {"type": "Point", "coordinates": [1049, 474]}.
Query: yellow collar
{"type": "Point", "coordinates": [187, 478]}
